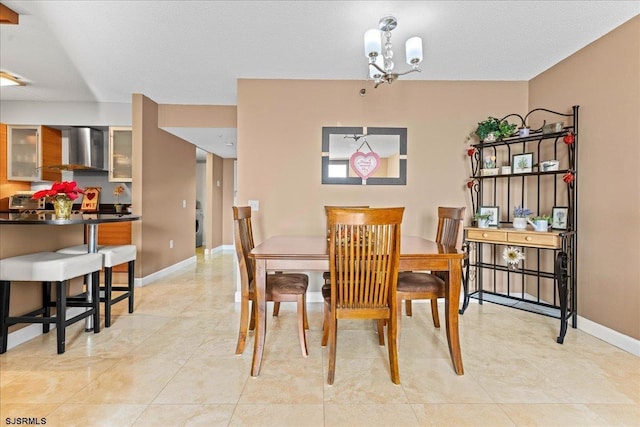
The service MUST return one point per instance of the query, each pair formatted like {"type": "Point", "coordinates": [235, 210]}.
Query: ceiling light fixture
{"type": "Point", "coordinates": [9, 80]}
{"type": "Point", "coordinates": [381, 60]}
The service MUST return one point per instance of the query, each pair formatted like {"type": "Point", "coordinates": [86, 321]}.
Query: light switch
{"type": "Point", "coordinates": [184, 203]}
{"type": "Point", "coordinates": [255, 205]}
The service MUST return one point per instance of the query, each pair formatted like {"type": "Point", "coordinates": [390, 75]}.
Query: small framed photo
{"type": "Point", "coordinates": [91, 199]}
{"type": "Point", "coordinates": [559, 217]}
{"type": "Point", "coordinates": [522, 163]}
{"type": "Point", "coordinates": [493, 212]}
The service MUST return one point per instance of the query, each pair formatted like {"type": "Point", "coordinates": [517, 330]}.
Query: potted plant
{"type": "Point", "coordinates": [492, 129]}
{"type": "Point", "coordinates": [482, 219]}
{"type": "Point", "coordinates": [119, 189]}
{"type": "Point", "coordinates": [520, 216]}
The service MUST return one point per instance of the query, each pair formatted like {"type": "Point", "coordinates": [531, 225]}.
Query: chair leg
{"type": "Point", "coordinates": [108, 285]}
{"type": "Point", "coordinates": [325, 325]}
{"type": "Point", "coordinates": [276, 308]}
{"type": "Point", "coordinates": [333, 335]}
{"type": "Point", "coordinates": [407, 308]}
{"type": "Point", "coordinates": [252, 319]}
{"type": "Point", "coordinates": [5, 292]}
{"type": "Point", "coordinates": [301, 334]}
{"type": "Point", "coordinates": [392, 339]}
{"type": "Point", "coordinates": [130, 277]}
{"type": "Point", "coordinates": [46, 304]}
{"type": "Point", "coordinates": [380, 324]}
{"type": "Point", "coordinates": [306, 319]}
{"type": "Point", "coordinates": [244, 323]}
{"type": "Point", "coordinates": [398, 321]}
{"type": "Point", "coordinates": [61, 304]}
{"type": "Point", "coordinates": [434, 312]}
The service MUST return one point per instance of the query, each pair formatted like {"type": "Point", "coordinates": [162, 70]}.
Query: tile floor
{"type": "Point", "coordinates": [172, 363]}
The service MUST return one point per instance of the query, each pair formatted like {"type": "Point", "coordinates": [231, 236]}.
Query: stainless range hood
{"type": "Point", "coordinates": [86, 150]}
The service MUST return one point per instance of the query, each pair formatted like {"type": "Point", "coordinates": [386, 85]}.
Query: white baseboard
{"type": "Point", "coordinates": [609, 336]}
{"type": "Point", "coordinates": [139, 282]}
{"type": "Point", "coordinates": [222, 248]}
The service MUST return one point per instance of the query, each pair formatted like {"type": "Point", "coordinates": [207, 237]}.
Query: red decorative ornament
{"type": "Point", "coordinates": [569, 138]}
{"type": "Point", "coordinates": [470, 151]}
{"type": "Point", "coordinates": [470, 184]}
{"type": "Point", "coordinates": [568, 177]}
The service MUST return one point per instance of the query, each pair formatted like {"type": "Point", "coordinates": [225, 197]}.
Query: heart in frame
{"type": "Point", "coordinates": [91, 195]}
{"type": "Point", "coordinates": [364, 164]}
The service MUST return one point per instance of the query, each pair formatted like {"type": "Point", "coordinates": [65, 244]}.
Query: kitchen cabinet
{"type": "Point", "coordinates": [545, 281]}
{"type": "Point", "coordinates": [120, 149]}
{"type": "Point", "coordinates": [30, 150]}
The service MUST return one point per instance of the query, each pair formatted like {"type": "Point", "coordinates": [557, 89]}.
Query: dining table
{"type": "Point", "coordinates": [90, 220]}
{"type": "Point", "coordinates": [310, 253]}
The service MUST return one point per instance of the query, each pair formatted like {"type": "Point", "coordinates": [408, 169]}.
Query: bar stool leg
{"type": "Point", "coordinates": [5, 290]}
{"type": "Point", "coordinates": [130, 278]}
{"type": "Point", "coordinates": [95, 284]}
{"type": "Point", "coordinates": [46, 305]}
{"type": "Point", "coordinates": [61, 304]}
{"type": "Point", "coordinates": [108, 277]}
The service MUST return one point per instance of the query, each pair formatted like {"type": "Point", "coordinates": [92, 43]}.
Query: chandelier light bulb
{"type": "Point", "coordinates": [414, 51]}
{"type": "Point", "coordinates": [372, 43]}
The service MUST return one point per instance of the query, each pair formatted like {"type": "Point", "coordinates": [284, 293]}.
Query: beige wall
{"type": "Point", "coordinates": [604, 79]}
{"type": "Point", "coordinates": [228, 196]}
{"type": "Point", "coordinates": [164, 175]}
{"type": "Point", "coordinates": [279, 146]}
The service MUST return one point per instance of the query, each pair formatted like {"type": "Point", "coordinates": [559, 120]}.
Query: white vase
{"type": "Point", "coordinates": [520, 223]}
{"type": "Point", "coordinates": [483, 223]}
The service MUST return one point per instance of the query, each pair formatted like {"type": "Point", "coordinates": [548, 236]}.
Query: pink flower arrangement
{"type": "Point", "coordinates": [68, 189]}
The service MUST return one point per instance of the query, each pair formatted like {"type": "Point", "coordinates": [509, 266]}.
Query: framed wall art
{"type": "Point", "coordinates": [522, 163]}
{"type": "Point", "coordinates": [493, 212]}
{"type": "Point", "coordinates": [559, 217]}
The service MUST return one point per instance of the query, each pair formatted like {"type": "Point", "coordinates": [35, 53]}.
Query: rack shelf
{"type": "Point", "coordinates": [546, 282]}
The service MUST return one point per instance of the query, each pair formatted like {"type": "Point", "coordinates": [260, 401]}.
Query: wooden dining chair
{"type": "Point", "coordinates": [289, 287]}
{"type": "Point", "coordinates": [364, 252]}
{"type": "Point", "coordinates": [431, 286]}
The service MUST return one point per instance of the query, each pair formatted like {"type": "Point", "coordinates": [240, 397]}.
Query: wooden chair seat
{"type": "Point", "coordinates": [281, 286]}
{"type": "Point", "coordinates": [421, 283]}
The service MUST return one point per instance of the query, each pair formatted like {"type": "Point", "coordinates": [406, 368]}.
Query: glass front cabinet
{"type": "Point", "coordinates": [30, 149]}
{"type": "Point", "coordinates": [120, 149]}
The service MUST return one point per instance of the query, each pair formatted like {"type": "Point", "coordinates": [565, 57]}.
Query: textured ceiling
{"type": "Point", "coordinates": [193, 52]}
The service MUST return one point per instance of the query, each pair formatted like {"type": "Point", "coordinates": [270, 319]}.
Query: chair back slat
{"type": "Point", "coordinates": [364, 249]}
{"type": "Point", "coordinates": [243, 237]}
{"type": "Point", "coordinates": [449, 225]}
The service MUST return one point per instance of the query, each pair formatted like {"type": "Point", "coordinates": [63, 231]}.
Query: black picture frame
{"type": "Point", "coordinates": [560, 217]}
{"type": "Point", "coordinates": [495, 214]}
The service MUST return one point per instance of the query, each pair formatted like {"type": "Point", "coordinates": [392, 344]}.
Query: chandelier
{"type": "Point", "coordinates": [380, 54]}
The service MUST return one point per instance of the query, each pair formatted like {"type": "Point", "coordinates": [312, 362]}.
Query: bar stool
{"type": "Point", "coordinates": [47, 267]}
{"type": "Point", "coordinates": [113, 255]}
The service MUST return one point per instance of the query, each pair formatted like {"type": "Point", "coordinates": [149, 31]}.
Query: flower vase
{"type": "Point", "coordinates": [62, 207]}
{"type": "Point", "coordinates": [118, 207]}
{"type": "Point", "coordinates": [520, 223]}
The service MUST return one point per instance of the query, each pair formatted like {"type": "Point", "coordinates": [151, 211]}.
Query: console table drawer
{"type": "Point", "coordinates": [512, 236]}
{"type": "Point", "coordinates": [536, 239]}
{"type": "Point", "coordinates": [487, 235]}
